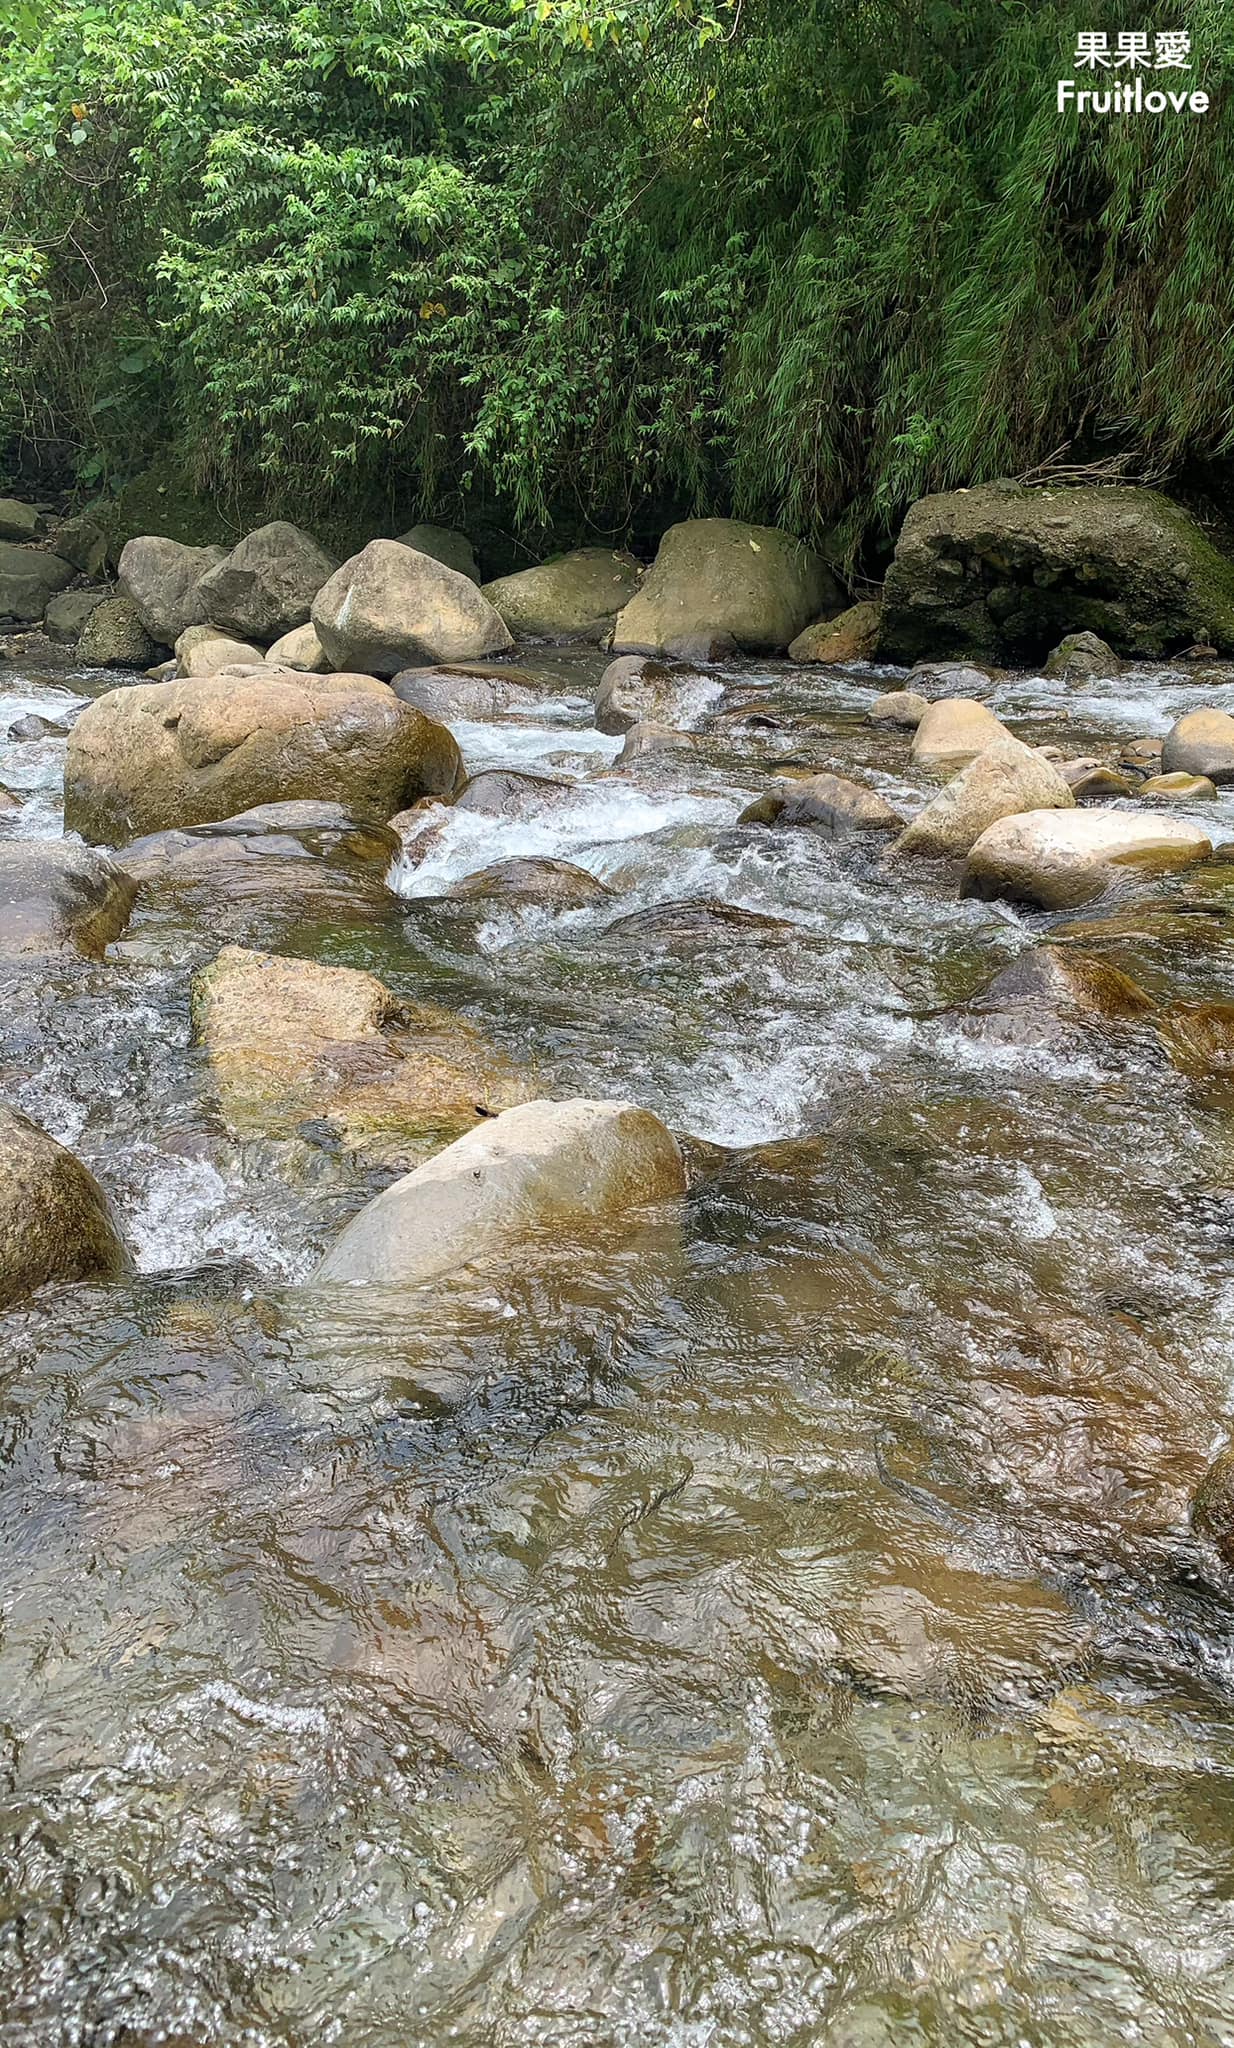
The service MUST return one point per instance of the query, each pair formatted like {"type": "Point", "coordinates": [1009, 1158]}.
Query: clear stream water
{"type": "Point", "coordinates": [775, 1625]}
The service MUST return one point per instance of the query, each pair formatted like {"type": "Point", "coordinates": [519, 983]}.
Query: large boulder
{"type": "Point", "coordinates": [294, 1043]}
{"type": "Point", "coordinates": [1004, 572]}
{"type": "Point", "coordinates": [1058, 858]}
{"type": "Point", "coordinates": [389, 608]}
{"type": "Point", "coordinates": [267, 584]}
{"type": "Point", "coordinates": [852, 636]}
{"type": "Point", "coordinates": [831, 805]}
{"type": "Point", "coordinates": [162, 579]}
{"type": "Point", "coordinates": [55, 1224]}
{"type": "Point", "coordinates": [443, 544]}
{"type": "Point", "coordinates": [113, 636]}
{"type": "Point", "coordinates": [546, 1167]}
{"type": "Point", "coordinates": [29, 579]}
{"type": "Point", "coordinates": [720, 575]}
{"type": "Point", "coordinates": [66, 615]}
{"type": "Point", "coordinates": [952, 732]}
{"type": "Point", "coordinates": [167, 754]}
{"type": "Point", "coordinates": [572, 597]}
{"type": "Point", "coordinates": [57, 898]}
{"type": "Point", "coordinates": [299, 649]}
{"type": "Point", "coordinates": [204, 650]}
{"type": "Point", "coordinates": [18, 521]}
{"type": "Point", "coordinates": [1006, 778]}
{"type": "Point", "coordinates": [1200, 743]}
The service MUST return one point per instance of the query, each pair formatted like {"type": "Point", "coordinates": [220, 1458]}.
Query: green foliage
{"type": "Point", "coordinates": [597, 263]}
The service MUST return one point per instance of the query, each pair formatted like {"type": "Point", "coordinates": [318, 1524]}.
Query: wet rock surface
{"type": "Point", "coordinates": [781, 1609]}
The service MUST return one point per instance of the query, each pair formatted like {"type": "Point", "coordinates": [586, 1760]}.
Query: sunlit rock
{"type": "Point", "coordinates": [547, 1166]}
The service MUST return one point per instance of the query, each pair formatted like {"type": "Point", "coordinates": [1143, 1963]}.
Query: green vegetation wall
{"type": "Point", "coordinates": [798, 259]}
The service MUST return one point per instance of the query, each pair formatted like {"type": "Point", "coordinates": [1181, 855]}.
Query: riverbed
{"type": "Point", "coordinates": [773, 1625]}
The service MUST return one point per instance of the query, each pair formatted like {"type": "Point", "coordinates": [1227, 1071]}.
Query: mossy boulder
{"type": "Point", "coordinates": [1004, 572]}
{"type": "Point", "coordinates": [572, 597]}
{"type": "Point", "coordinates": [756, 583]}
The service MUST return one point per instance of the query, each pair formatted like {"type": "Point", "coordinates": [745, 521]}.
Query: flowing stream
{"type": "Point", "coordinates": [777, 1626]}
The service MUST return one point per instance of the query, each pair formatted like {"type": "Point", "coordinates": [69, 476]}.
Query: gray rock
{"type": "Point", "coordinates": [18, 521]}
{"type": "Point", "coordinates": [159, 755]}
{"type": "Point", "coordinates": [572, 597]}
{"type": "Point", "coordinates": [162, 580]}
{"type": "Point", "coordinates": [66, 615]}
{"type": "Point", "coordinates": [755, 583]}
{"type": "Point", "coordinates": [1200, 743]}
{"type": "Point", "coordinates": [389, 608]}
{"type": "Point", "coordinates": [443, 544]}
{"type": "Point", "coordinates": [29, 579]}
{"type": "Point", "coordinates": [1002, 572]}
{"type": "Point", "coordinates": [267, 584]}
{"type": "Point", "coordinates": [1079, 656]}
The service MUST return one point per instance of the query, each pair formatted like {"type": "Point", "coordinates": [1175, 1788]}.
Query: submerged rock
{"type": "Point", "coordinates": [389, 607]}
{"type": "Point", "coordinates": [267, 584]}
{"type": "Point", "coordinates": [638, 690]}
{"type": "Point", "coordinates": [830, 804]}
{"type": "Point", "coordinates": [162, 580]}
{"type": "Point", "coordinates": [1200, 743]}
{"type": "Point", "coordinates": [937, 680]}
{"type": "Point", "coordinates": [1212, 1507]}
{"type": "Point", "coordinates": [269, 869]}
{"type": "Point", "coordinates": [1059, 858]}
{"type": "Point", "coordinates": [293, 1043]}
{"type": "Point", "coordinates": [510, 792]}
{"type": "Point", "coordinates": [57, 898]}
{"type": "Point", "coordinates": [1006, 778]}
{"type": "Point", "coordinates": [756, 583]}
{"type": "Point", "coordinates": [1004, 571]}
{"type": "Point", "coordinates": [572, 597]}
{"type": "Point", "coordinates": [953, 731]}
{"type": "Point", "coordinates": [851, 636]}
{"type": "Point", "coordinates": [1046, 993]}
{"type": "Point", "coordinates": [163, 754]}
{"type": "Point", "coordinates": [544, 1167]}
{"type": "Point", "coordinates": [55, 1223]}
{"type": "Point", "coordinates": [557, 883]}
{"type": "Point", "coordinates": [692, 921]}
